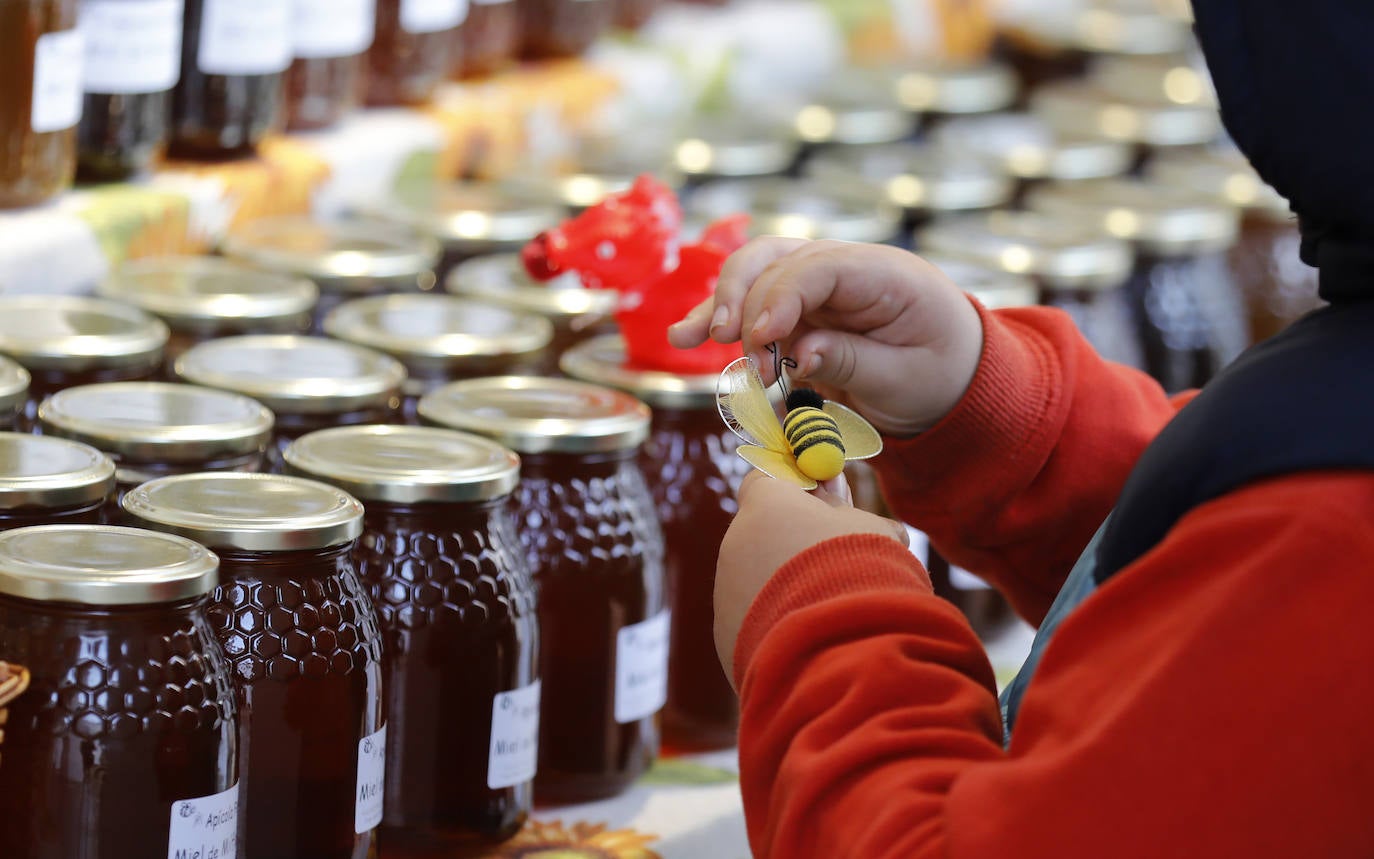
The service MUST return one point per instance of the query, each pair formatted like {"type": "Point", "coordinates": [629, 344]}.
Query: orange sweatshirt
{"type": "Point", "coordinates": [1209, 700]}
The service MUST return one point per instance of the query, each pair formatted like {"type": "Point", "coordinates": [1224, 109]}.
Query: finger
{"type": "Point", "coordinates": [737, 277]}
{"type": "Point", "coordinates": [691, 330]}
{"type": "Point", "coordinates": [760, 323]}
{"type": "Point", "coordinates": [835, 492]}
{"type": "Point", "coordinates": [899, 532]}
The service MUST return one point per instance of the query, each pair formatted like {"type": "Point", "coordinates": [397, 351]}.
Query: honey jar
{"type": "Point", "coordinates": [14, 391]}
{"type": "Point", "coordinates": [52, 481]}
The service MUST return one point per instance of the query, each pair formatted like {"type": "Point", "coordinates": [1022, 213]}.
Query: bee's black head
{"type": "Point", "coordinates": [804, 397]}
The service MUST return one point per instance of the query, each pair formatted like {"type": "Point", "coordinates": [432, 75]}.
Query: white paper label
{"type": "Point", "coordinates": [332, 28]}
{"type": "Point", "coordinates": [371, 779]}
{"type": "Point", "coordinates": [131, 47]}
{"type": "Point", "coordinates": [962, 579]}
{"type": "Point", "coordinates": [205, 828]}
{"type": "Point", "coordinates": [245, 37]}
{"type": "Point", "coordinates": [514, 753]}
{"type": "Point", "coordinates": [56, 81]}
{"type": "Point", "coordinates": [641, 668]}
{"type": "Point", "coordinates": [431, 16]}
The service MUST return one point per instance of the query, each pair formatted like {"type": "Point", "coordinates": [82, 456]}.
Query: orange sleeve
{"type": "Point", "coordinates": [1015, 480]}
{"type": "Point", "coordinates": [1208, 701]}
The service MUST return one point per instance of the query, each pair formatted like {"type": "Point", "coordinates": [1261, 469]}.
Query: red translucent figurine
{"type": "Point", "coordinates": [631, 242]}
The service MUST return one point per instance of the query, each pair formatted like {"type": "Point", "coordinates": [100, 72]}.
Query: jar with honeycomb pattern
{"type": "Point", "coordinates": [453, 594]}
{"type": "Point", "coordinates": [126, 742]}
{"type": "Point", "coordinates": [304, 650]}
{"type": "Point", "coordinates": [586, 521]}
{"type": "Point", "coordinates": [52, 481]}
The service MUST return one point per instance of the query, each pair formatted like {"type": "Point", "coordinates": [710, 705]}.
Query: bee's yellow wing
{"type": "Point", "coordinates": [861, 440]}
{"type": "Point", "coordinates": [779, 466]}
{"type": "Point", "coordinates": [744, 406]}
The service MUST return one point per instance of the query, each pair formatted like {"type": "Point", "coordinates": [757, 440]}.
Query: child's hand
{"type": "Point", "coordinates": [882, 327]}
{"type": "Point", "coordinates": [755, 547]}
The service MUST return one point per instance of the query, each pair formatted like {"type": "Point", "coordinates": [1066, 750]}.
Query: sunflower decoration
{"type": "Point", "coordinates": [553, 840]}
{"type": "Point", "coordinates": [14, 679]}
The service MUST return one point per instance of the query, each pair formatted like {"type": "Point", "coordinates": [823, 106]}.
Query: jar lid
{"type": "Point", "coordinates": [917, 178]}
{"type": "Point", "coordinates": [1063, 254]}
{"type": "Point", "coordinates": [994, 288]}
{"type": "Point", "coordinates": [1130, 27]}
{"type": "Point", "coordinates": [43, 471]}
{"type": "Point", "coordinates": [158, 420]}
{"type": "Point", "coordinates": [735, 147]}
{"type": "Point", "coordinates": [348, 255]}
{"type": "Point", "coordinates": [477, 216]}
{"type": "Point", "coordinates": [502, 279]}
{"type": "Point", "coordinates": [855, 107]}
{"type": "Point", "coordinates": [75, 333]}
{"type": "Point", "coordinates": [1167, 79]}
{"type": "Point", "coordinates": [1158, 218]}
{"type": "Point", "coordinates": [438, 329]}
{"type": "Point", "coordinates": [14, 385]}
{"type": "Point", "coordinates": [249, 512]}
{"type": "Point", "coordinates": [601, 360]}
{"type": "Point", "coordinates": [293, 374]}
{"type": "Point", "coordinates": [1078, 108]}
{"type": "Point", "coordinates": [208, 289]}
{"type": "Point", "coordinates": [1223, 173]}
{"type": "Point", "coordinates": [103, 565]}
{"type": "Point", "coordinates": [812, 208]}
{"type": "Point", "coordinates": [532, 415]}
{"type": "Point", "coordinates": [944, 87]}
{"type": "Point", "coordinates": [406, 465]}
{"type": "Point", "coordinates": [1026, 147]}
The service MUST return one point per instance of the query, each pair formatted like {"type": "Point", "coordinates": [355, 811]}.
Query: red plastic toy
{"type": "Point", "coordinates": [631, 242]}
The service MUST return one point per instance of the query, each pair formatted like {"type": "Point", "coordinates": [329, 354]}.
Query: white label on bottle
{"type": "Point", "coordinates": [131, 47]}
{"type": "Point", "coordinates": [431, 16]}
{"type": "Point", "coordinates": [962, 579]}
{"type": "Point", "coordinates": [367, 815]}
{"type": "Point", "coordinates": [332, 28]}
{"type": "Point", "coordinates": [641, 668]}
{"type": "Point", "coordinates": [56, 81]}
{"type": "Point", "coordinates": [514, 755]}
{"type": "Point", "coordinates": [205, 828]}
{"type": "Point", "coordinates": [245, 37]}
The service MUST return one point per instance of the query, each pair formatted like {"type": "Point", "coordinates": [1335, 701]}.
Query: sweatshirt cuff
{"type": "Point", "coordinates": [843, 566]}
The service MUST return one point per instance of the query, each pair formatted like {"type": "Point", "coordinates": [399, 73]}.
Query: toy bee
{"type": "Point", "coordinates": [811, 444]}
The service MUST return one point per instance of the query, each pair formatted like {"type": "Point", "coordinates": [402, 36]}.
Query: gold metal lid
{"type": "Point", "coordinates": [350, 255]}
{"type": "Point", "coordinates": [158, 420]}
{"type": "Point", "coordinates": [441, 330]}
{"type": "Point", "coordinates": [190, 290]}
{"type": "Point", "coordinates": [735, 147]}
{"type": "Point", "coordinates": [14, 385]}
{"type": "Point", "coordinates": [75, 333]}
{"type": "Point", "coordinates": [1130, 27]}
{"type": "Point", "coordinates": [1026, 147]}
{"type": "Point", "coordinates": [502, 279]}
{"type": "Point", "coordinates": [1078, 108]}
{"type": "Point", "coordinates": [917, 178]}
{"type": "Point", "coordinates": [291, 374]}
{"type": "Point", "coordinates": [855, 107]}
{"type": "Point", "coordinates": [1157, 218]}
{"type": "Point", "coordinates": [476, 217]}
{"type": "Point", "coordinates": [995, 288]}
{"type": "Point", "coordinates": [601, 360]}
{"type": "Point", "coordinates": [1224, 173]}
{"type": "Point", "coordinates": [814, 208]}
{"type": "Point", "coordinates": [532, 415]}
{"type": "Point", "coordinates": [406, 465]}
{"type": "Point", "coordinates": [42, 471]}
{"type": "Point", "coordinates": [249, 512]}
{"type": "Point", "coordinates": [1062, 254]}
{"type": "Point", "coordinates": [1167, 79]}
{"type": "Point", "coordinates": [944, 87]}
{"type": "Point", "coordinates": [103, 565]}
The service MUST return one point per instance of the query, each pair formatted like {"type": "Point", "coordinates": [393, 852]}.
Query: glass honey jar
{"type": "Point", "coordinates": [413, 51]}
{"type": "Point", "coordinates": [488, 39]}
{"type": "Point", "coordinates": [812, 208]}
{"type": "Point", "coordinates": [585, 518]}
{"type": "Point", "coordinates": [304, 650]}
{"type": "Point", "coordinates": [153, 429]}
{"type": "Point", "coordinates": [938, 89]}
{"type": "Point", "coordinates": [126, 742]}
{"type": "Point", "coordinates": [325, 79]}
{"type": "Point", "coordinates": [309, 383]}
{"type": "Point", "coordinates": [14, 391]}
{"type": "Point", "coordinates": [690, 463]}
{"type": "Point", "coordinates": [440, 556]}
{"type": "Point", "coordinates": [40, 101]}
{"type": "Point", "coordinates": [52, 481]}
{"type": "Point", "coordinates": [443, 338]}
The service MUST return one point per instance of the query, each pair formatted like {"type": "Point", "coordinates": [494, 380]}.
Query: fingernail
{"type": "Point", "coordinates": [761, 323]}
{"type": "Point", "coordinates": [813, 364]}
{"type": "Point", "coordinates": [721, 316]}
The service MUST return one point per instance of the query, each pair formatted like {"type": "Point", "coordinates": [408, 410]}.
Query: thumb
{"type": "Point", "coordinates": [850, 362]}
{"type": "Point", "coordinates": [835, 492]}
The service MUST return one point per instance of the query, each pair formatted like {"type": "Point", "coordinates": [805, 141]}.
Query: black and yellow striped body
{"type": "Point", "coordinates": [813, 436]}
